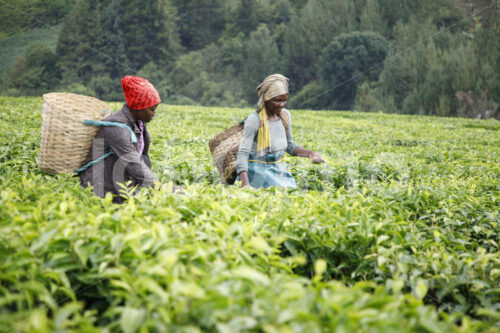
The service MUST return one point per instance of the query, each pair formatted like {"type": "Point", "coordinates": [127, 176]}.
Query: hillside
{"type": "Point", "coordinates": [15, 46]}
{"type": "Point", "coordinates": [397, 231]}
{"type": "Point", "coordinates": [396, 56]}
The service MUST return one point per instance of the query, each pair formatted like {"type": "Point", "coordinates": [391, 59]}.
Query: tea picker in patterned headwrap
{"type": "Point", "coordinates": [120, 149]}
{"type": "Point", "coordinates": [267, 136]}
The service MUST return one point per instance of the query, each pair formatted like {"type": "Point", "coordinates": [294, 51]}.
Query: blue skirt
{"type": "Point", "coordinates": [269, 170]}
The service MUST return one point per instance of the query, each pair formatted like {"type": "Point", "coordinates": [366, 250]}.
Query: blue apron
{"type": "Point", "coordinates": [269, 170]}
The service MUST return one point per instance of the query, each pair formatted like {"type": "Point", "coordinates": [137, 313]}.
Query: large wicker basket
{"type": "Point", "coordinates": [66, 141]}
{"type": "Point", "coordinates": [224, 148]}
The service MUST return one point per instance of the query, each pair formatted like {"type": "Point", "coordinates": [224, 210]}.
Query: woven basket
{"type": "Point", "coordinates": [66, 141]}
{"type": "Point", "coordinates": [224, 148]}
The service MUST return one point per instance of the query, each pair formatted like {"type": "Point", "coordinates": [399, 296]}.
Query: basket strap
{"type": "Point", "coordinates": [97, 160]}
{"type": "Point", "coordinates": [133, 138]}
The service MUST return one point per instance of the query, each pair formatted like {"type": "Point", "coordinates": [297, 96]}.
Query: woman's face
{"type": "Point", "coordinates": [146, 115]}
{"type": "Point", "coordinates": [276, 104]}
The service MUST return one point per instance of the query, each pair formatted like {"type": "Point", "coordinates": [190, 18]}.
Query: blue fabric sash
{"type": "Point", "coordinates": [269, 170]}
{"type": "Point", "coordinates": [111, 123]}
{"type": "Point", "coordinates": [133, 138]}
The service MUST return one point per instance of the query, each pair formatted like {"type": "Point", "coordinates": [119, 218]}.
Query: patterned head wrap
{"type": "Point", "coordinates": [139, 93]}
{"type": "Point", "coordinates": [272, 86]}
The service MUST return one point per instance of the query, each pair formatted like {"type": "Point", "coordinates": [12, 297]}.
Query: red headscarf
{"type": "Point", "coordinates": [139, 93]}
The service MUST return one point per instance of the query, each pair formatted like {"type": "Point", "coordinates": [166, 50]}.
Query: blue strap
{"type": "Point", "coordinates": [91, 163]}
{"type": "Point", "coordinates": [133, 138]}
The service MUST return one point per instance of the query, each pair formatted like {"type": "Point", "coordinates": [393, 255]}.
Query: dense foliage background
{"type": "Point", "coordinates": [397, 232]}
{"type": "Point", "coordinates": [433, 57]}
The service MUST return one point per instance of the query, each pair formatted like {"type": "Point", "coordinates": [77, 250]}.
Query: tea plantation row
{"type": "Point", "coordinates": [398, 231]}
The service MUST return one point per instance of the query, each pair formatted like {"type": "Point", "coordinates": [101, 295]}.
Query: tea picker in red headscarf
{"type": "Point", "coordinates": [119, 152]}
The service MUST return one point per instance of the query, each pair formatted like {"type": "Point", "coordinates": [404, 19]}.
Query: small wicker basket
{"type": "Point", "coordinates": [224, 148]}
{"type": "Point", "coordinates": [66, 141]}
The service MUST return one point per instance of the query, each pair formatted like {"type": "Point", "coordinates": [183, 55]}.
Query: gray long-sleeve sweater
{"type": "Point", "coordinates": [281, 140]}
{"type": "Point", "coordinates": [126, 164]}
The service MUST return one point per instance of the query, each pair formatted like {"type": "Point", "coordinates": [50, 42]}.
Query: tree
{"type": "Point", "coordinates": [348, 60]}
{"type": "Point", "coordinates": [427, 79]}
{"type": "Point", "coordinates": [371, 19]}
{"type": "Point", "coordinates": [201, 22]}
{"type": "Point", "coordinates": [248, 16]}
{"type": "Point", "coordinates": [397, 11]}
{"type": "Point", "coordinates": [150, 32]}
{"type": "Point", "coordinates": [262, 59]}
{"type": "Point", "coordinates": [77, 46]}
{"type": "Point", "coordinates": [22, 15]}
{"type": "Point", "coordinates": [309, 32]}
{"type": "Point", "coordinates": [114, 41]}
{"type": "Point", "coordinates": [112, 38]}
{"type": "Point", "coordinates": [35, 72]}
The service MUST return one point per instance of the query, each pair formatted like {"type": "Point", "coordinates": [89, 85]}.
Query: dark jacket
{"type": "Point", "coordinates": [125, 164]}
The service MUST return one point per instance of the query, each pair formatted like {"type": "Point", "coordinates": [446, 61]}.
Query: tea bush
{"type": "Point", "coordinates": [397, 231]}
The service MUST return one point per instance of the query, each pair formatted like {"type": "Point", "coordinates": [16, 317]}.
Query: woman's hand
{"type": "Point", "coordinates": [178, 189]}
{"type": "Point", "coordinates": [316, 158]}
{"type": "Point", "coordinates": [175, 189]}
{"type": "Point", "coordinates": [244, 179]}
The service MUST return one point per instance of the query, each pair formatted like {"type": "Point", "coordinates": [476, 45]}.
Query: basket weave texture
{"type": "Point", "coordinates": [224, 148]}
{"type": "Point", "coordinates": [66, 141]}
